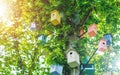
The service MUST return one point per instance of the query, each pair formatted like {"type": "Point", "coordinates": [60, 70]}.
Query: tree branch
{"type": "Point", "coordinates": [82, 22]}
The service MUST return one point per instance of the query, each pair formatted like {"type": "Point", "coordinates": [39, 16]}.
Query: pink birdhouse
{"type": "Point", "coordinates": [102, 45]}
{"type": "Point", "coordinates": [92, 30]}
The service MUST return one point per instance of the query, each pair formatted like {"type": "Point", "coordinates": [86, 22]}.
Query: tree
{"type": "Point", "coordinates": [23, 48]}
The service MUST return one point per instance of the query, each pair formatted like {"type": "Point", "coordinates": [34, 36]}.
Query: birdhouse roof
{"type": "Point", "coordinates": [93, 26]}
{"type": "Point", "coordinates": [108, 35]}
{"type": "Point", "coordinates": [102, 39]}
{"type": "Point", "coordinates": [54, 11]}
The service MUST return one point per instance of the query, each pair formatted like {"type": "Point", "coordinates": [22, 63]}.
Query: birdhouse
{"type": "Point", "coordinates": [55, 17]}
{"type": "Point", "coordinates": [81, 33]}
{"type": "Point", "coordinates": [56, 69]}
{"type": "Point", "coordinates": [110, 73]}
{"type": "Point", "coordinates": [108, 38]}
{"type": "Point", "coordinates": [42, 39]}
{"type": "Point", "coordinates": [92, 30]}
{"type": "Point", "coordinates": [32, 26]}
{"type": "Point", "coordinates": [73, 58]}
{"type": "Point", "coordinates": [102, 45]}
{"type": "Point", "coordinates": [89, 69]}
{"type": "Point", "coordinates": [107, 73]}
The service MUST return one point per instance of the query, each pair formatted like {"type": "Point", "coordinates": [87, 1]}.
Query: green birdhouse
{"type": "Point", "coordinates": [42, 39]}
{"type": "Point", "coordinates": [88, 69]}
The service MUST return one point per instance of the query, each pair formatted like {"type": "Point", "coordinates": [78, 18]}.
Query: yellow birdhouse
{"type": "Point", "coordinates": [55, 17]}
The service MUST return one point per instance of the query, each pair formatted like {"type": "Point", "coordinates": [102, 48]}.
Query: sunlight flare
{"type": "Point", "coordinates": [3, 8]}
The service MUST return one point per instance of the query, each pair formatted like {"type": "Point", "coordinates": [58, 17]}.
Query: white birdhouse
{"type": "Point", "coordinates": [56, 69]}
{"type": "Point", "coordinates": [73, 58]}
{"type": "Point", "coordinates": [33, 26]}
{"type": "Point", "coordinates": [107, 73]}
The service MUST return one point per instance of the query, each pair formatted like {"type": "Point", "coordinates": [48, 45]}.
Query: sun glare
{"type": "Point", "coordinates": [3, 8]}
{"type": "Point", "coordinates": [5, 11]}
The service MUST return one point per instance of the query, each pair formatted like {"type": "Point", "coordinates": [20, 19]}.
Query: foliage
{"type": "Point", "coordinates": [22, 46]}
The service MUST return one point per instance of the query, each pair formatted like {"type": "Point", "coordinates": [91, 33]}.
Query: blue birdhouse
{"type": "Point", "coordinates": [108, 38]}
{"type": "Point", "coordinates": [89, 69]}
{"type": "Point", "coordinates": [56, 69]}
{"type": "Point", "coordinates": [42, 39]}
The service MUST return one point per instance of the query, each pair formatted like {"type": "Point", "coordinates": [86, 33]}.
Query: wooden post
{"type": "Point", "coordinates": [75, 71]}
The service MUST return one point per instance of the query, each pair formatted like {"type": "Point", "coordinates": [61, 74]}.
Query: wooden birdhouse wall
{"type": "Point", "coordinates": [56, 69]}
{"type": "Point", "coordinates": [55, 17]}
{"type": "Point", "coordinates": [92, 30]}
{"type": "Point", "coordinates": [102, 45]}
{"type": "Point", "coordinates": [73, 59]}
